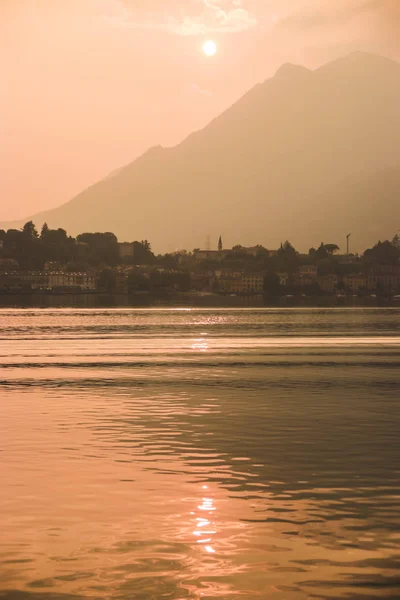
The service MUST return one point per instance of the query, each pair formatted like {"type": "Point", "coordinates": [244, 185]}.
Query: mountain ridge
{"type": "Point", "coordinates": [268, 159]}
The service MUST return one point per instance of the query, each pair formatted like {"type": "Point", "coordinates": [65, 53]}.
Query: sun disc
{"type": "Point", "coordinates": [209, 48]}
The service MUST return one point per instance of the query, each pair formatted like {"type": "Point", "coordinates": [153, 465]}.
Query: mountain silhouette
{"type": "Point", "coordinates": [306, 156]}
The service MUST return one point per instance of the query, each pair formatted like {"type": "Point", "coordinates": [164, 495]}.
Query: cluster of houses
{"type": "Point", "coordinates": [46, 280]}
{"type": "Point", "coordinates": [385, 278]}
{"type": "Point", "coordinates": [200, 278]}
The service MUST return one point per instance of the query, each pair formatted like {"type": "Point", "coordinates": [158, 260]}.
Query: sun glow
{"type": "Point", "coordinates": [209, 48]}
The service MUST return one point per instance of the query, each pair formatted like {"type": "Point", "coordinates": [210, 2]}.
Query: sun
{"type": "Point", "coordinates": [210, 48]}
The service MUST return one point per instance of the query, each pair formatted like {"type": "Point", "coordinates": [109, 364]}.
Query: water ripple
{"type": "Point", "coordinates": [199, 454]}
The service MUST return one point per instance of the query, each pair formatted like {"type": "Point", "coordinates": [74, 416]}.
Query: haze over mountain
{"type": "Point", "coordinates": [307, 156]}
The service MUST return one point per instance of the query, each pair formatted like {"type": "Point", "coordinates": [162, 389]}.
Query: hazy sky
{"type": "Point", "coordinates": [88, 85]}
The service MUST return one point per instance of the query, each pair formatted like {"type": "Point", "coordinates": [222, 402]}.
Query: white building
{"type": "Point", "coordinates": [240, 283]}
{"type": "Point", "coordinates": [84, 281]}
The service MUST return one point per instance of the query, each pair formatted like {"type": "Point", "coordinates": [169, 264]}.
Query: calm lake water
{"type": "Point", "coordinates": [200, 454]}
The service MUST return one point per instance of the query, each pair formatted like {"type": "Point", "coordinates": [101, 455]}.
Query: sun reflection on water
{"type": "Point", "coordinates": [205, 527]}
{"type": "Point", "coordinates": [200, 344]}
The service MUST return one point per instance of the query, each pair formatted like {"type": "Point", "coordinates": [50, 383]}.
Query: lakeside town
{"type": "Point", "coordinates": [53, 263]}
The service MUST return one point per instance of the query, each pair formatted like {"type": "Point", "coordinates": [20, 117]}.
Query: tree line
{"type": "Point", "coordinates": [32, 250]}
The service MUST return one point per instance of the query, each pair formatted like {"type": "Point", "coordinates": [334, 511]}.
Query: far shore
{"type": "Point", "coordinates": [185, 299]}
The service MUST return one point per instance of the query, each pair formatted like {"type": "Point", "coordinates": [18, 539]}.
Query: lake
{"type": "Point", "coordinates": [200, 454]}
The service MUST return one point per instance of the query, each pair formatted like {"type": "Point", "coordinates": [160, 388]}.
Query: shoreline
{"type": "Point", "coordinates": [186, 299]}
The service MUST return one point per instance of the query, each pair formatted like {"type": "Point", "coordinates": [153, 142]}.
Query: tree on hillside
{"type": "Point", "coordinates": [142, 254]}
{"type": "Point", "coordinates": [146, 245]}
{"type": "Point", "coordinates": [168, 261]}
{"type": "Point", "coordinates": [103, 248]}
{"type": "Point", "coordinates": [324, 251]}
{"type": "Point", "coordinates": [58, 247]}
{"type": "Point", "coordinates": [383, 253]}
{"type": "Point", "coordinates": [331, 248]}
{"type": "Point", "coordinates": [24, 246]}
{"type": "Point", "coordinates": [287, 258]}
{"type": "Point", "coordinates": [12, 240]}
{"type": "Point", "coordinates": [29, 230]}
{"type": "Point", "coordinates": [396, 241]}
{"type": "Point", "coordinates": [44, 231]}
{"type": "Point", "coordinates": [287, 249]}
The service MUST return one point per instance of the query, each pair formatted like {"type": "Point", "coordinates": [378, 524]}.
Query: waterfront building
{"type": "Point", "coordinates": [355, 282]}
{"type": "Point", "coordinates": [328, 283]}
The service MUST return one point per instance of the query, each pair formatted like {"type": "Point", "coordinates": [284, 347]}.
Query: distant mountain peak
{"type": "Point", "coordinates": [290, 70]}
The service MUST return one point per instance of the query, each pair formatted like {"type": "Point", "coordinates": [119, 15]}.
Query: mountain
{"type": "Point", "coordinates": [306, 156]}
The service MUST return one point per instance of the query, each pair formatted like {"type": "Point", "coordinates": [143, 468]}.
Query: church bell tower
{"type": "Point", "coordinates": [220, 244]}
